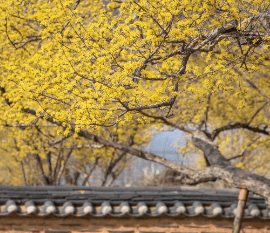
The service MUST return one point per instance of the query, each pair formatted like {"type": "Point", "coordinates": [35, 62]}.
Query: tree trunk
{"type": "Point", "coordinates": [222, 169]}
{"type": "Point", "coordinates": [91, 171]}
{"type": "Point", "coordinates": [62, 167]}
{"type": "Point", "coordinates": [42, 177]}
{"type": "Point", "coordinates": [23, 173]}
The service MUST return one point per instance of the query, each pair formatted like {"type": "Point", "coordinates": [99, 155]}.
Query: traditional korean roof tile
{"type": "Point", "coordinates": [128, 201]}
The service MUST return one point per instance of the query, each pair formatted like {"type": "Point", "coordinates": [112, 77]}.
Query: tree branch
{"type": "Point", "coordinates": [232, 126]}
{"type": "Point", "coordinates": [48, 155]}
{"type": "Point", "coordinates": [63, 166]}
{"type": "Point", "coordinates": [256, 113]}
{"type": "Point", "coordinates": [74, 8]}
{"type": "Point", "coordinates": [23, 173]}
{"type": "Point", "coordinates": [81, 146]}
{"type": "Point", "coordinates": [41, 173]}
{"type": "Point", "coordinates": [52, 143]}
{"type": "Point", "coordinates": [244, 151]}
{"type": "Point", "coordinates": [91, 171]}
{"type": "Point", "coordinates": [222, 169]}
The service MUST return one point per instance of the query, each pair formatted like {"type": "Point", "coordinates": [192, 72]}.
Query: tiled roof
{"type": "Point", "coordinates": [133, 201]}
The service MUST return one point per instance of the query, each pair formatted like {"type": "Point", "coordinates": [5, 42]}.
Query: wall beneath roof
{"type": "Point", "coordinates": [51, 224]}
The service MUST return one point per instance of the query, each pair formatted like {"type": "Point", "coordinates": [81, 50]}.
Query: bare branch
{"type": "Point", "coordinates": [41, 172]}
{"type": "Point", "coordinates": [81, 146]}
{"type": "Point", "coordinates": [60, 140]}
{"type": "Point", "coordinates": [214, 37]}
{"type": "Point", "coordinates": [148, 79]}
{"type": "Point", "coordinates": [244, 150]}
{"type": "Point", "coordinates": [91, 171]}
{"type": "Point", "coordinates": [255, 88]}
{"type": "Point", "coordinates": [152, 17]}
{"type": "Point", "coordinates": [232, 126]}
{"type": "Point", "coordinates": [53, 98]}
{"type": "Point", "coordinates": [237, 156]}
{"type": "Point", "coordinates": [256, 113]}
{"type": "Point", "coordinates": [26, 42]}
{"type": "Point", "coordinates": [204, 122]}
{"type": "Point", "coordinates": [23, 173]}
{"type": "Point", "coordinates": [67, 23]}
{"type": "Point", "coordinates": [164, 120]}
{"type": "Point", "coordinates": [48, 155]}
{"type": "Point", "coordinates": [57, 165]}
{"type": "Point", "coordinates": [168, 103]}
{"type": "Point", "coordinates": [29, 125]}
{"type": "Point", "coordinates": [63, 167]}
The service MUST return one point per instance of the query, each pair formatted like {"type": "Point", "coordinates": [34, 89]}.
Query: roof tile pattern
{"type": "Point", "coordinates": [132, 201]}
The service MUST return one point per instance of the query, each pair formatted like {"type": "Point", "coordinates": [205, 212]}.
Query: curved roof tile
{"type": "Point", "coordinates": [129, 201]}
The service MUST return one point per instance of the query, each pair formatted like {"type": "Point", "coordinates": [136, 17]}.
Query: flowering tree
{"type": "Point", "coordinates": [36, 155]}
{"type": "Point", "coordinates": [197, 66]}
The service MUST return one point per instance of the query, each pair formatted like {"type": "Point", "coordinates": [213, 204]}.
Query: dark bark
{"type": "Point", "coordinates": [222, 169]}
{"type": "Point", "coordinates": [107, 172]}
{"type": "Point", "coordinates": [23, 173]}
{"type": "Point", "coordinates": [111, 166]}
{"type": "Point", "coordinates": [70, 179]}
{"type": "Point", "coordinates": [57, 166]}
{"type": "Point", "coordinates": [62, 167]}
{"type": "Point", "coordinates": [48, 155]}
{"type": "Point", "coordinates": [42, 177]}
{"type": "Point", "coordinates": [211, 153]}
{"type": "Point", "coordinates": [91, 171]}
